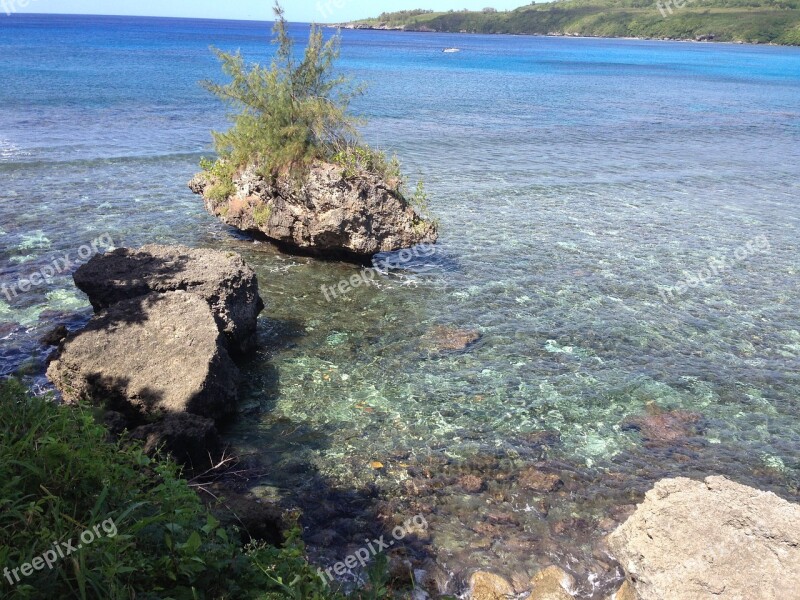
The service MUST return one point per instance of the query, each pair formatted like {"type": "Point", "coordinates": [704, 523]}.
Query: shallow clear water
{"type": "Point", "coordinates": [576, 181]}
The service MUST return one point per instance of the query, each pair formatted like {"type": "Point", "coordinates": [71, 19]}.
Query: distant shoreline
{"type": "Point", "coordinates": [753, 22]}
{"type": "Point", "coordinates": [351, 27]}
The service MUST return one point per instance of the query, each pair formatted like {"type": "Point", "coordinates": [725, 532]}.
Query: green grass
{"type": "Point", "coordinates": [60, 476]}
{"type": "Point", "coordinates": [357, 161]}
{"type": "Point", "coordinates": [756, 21]}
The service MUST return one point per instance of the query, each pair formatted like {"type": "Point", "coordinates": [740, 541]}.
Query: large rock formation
{"type": "Point", "coordinates": [151, 356]}
{"type": "Point", "coordinates": [693, 540]}
{"type": "Point", "coordinates": [328, 213]}
{"type": "Point", "coordinates": [156, 353]}
{"type": "Point", "coordinates": [222, 279]}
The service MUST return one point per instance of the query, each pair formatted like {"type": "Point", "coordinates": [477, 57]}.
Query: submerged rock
{"type": "Point", "coordinates": [659, 427]}
{"type": "Point", "coordinates": [539, 481]}
{"type": "Point", "coordinates": [450, 339]}
{"type": "Point", "coordinates": [221, 279]}
{"type": "Point", "coordinates": [710, 539]}
{"type": "Point", "coordinates": [328, 214]}
{"type": "Point", "coordinates": [489, 586]}
{"type": "Point", "coordinates": [471, 483]}
{"type": "Point", "coordinates": [155, 355]}
{"type": "Point", "coordinates": [552, 584]}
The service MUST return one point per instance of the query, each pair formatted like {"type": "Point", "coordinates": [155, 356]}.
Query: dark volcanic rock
{"type": "Point", "coordinates": [222, 279]}
{"type": "Point", "coordinates": [328, 214]}
{"type": "Point", "coordinates": [153, 355]}
{"type": "Point", "coordinates": [55, 336]}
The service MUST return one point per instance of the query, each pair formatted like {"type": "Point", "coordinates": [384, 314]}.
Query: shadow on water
{"type": "Point", "coordinates": [338, 518]}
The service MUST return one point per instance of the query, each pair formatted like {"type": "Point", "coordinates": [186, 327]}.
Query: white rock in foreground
{"type": "Point", "coordinates": [693, 540]}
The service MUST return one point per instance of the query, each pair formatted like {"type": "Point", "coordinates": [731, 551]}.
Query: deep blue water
{"type": "Point", "coordinates": [576, 181]}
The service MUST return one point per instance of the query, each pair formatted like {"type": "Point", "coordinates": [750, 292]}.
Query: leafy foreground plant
{"type": "Point", "coordinates": [59, 476]}
{"type": "Point", "coordinates": [291, 114]}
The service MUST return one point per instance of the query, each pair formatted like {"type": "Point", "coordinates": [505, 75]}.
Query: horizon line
{"type": "Point", "coordinates": [21, 14]}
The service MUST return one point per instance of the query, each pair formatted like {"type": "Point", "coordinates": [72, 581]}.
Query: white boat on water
{"type": "Point", "coordinates": [451, 50]}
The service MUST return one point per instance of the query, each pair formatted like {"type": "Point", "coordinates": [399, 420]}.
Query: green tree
{"type": "Point", "coordinates": [291, 113]}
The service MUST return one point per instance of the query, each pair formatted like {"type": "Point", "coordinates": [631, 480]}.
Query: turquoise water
{"type": "Point", "coordinates": [578, 183]}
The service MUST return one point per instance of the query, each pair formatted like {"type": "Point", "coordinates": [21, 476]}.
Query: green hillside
{"type": "Point", "coordinates": [750, 21]}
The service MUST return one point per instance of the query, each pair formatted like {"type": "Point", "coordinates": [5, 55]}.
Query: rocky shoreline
{"type": "Point", "coordinates": [698, 39]}
{"type": "Point", "coordinates": [688, 540]}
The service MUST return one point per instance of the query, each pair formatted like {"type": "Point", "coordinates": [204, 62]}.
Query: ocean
{"type": "Point", "coordinates": [619, 224]}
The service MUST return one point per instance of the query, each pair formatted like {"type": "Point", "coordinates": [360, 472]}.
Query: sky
{"type": "Point", "coordinates": [304, 11]}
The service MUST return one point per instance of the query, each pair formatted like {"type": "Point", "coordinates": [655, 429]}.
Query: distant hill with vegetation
{"type": "Point", "coordinates": [746, 21]}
